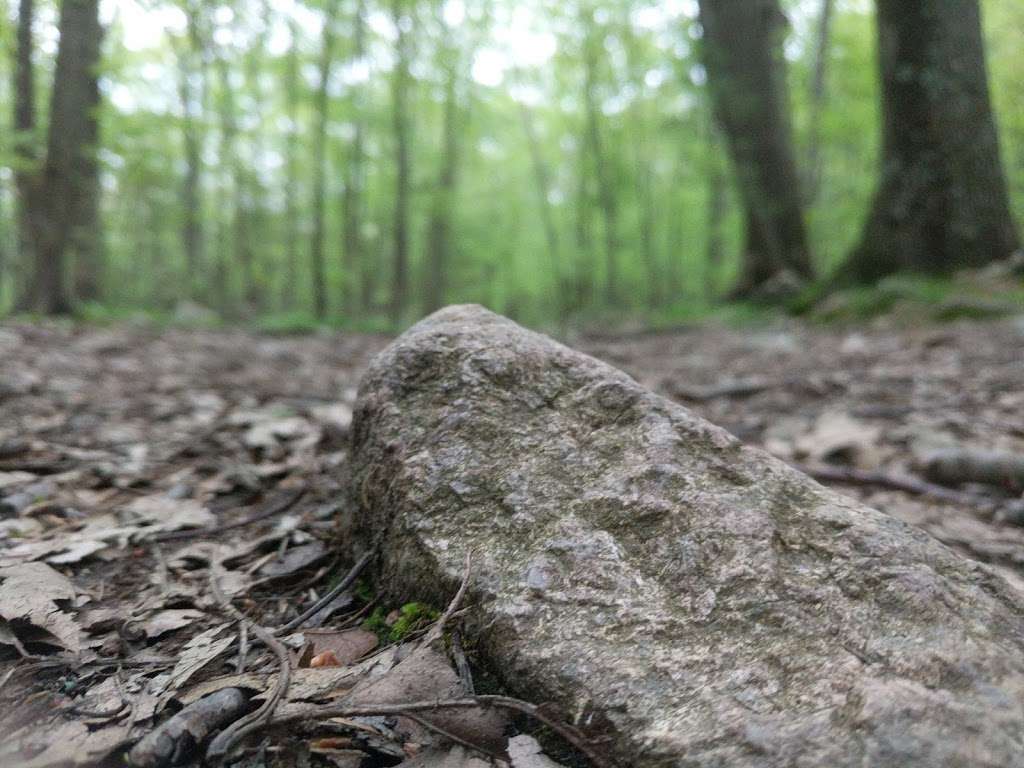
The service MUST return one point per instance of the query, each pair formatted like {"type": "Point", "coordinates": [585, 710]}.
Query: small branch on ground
{"type": "Point", "coordinates": [176, 741]}
{"type": "Point", "coordinates": [1003, 510]}
{"type": "Point", "coordinates": [279, 506]}
{"type": "Point", "coordinates": [238, 730]}
{"type": "Point", "coordinates": [571, 734]}
{"type": "Point", "coordinates": [344, 584]}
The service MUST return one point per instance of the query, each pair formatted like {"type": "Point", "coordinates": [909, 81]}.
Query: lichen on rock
{"type": "Point", "coordinates": [700, 601]}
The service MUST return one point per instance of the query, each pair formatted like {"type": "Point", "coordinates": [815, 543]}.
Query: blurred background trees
{"type": "Point", "coordinates": [365, 161]}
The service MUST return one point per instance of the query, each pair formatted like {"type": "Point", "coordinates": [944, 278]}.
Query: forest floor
{"type": "Point", "coordinates": [153, 482]}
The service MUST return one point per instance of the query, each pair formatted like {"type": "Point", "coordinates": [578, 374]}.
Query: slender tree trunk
{"type": "Point", "coordinates": [352, 201]}
{"type": "Point", "coordinates": [716, 202]}
{"type": "Point", "coordinates": [584, 268]}
{"type": "Point", "coordinates": [26, 154]}
{"type": "Point", "coordinates": [400, 118]}
{"type": "Point", "coordinates": [291, 150]}
{"type": "Point", "coordinates": [942, 202]}
{"type": "Point", "coordinates": [72, 118]}
{"type": "Point", "coordinates": [439, 236]}
{"type": "Point", "coordinates": [746, 75]}
{"type": "Point", "coordinates": [232, 218]}
{"type": "Point", "coordinates": [86, 235]}
{"type": "Point", "coordinates": [256, 234]}
{"type": "Point", "coordinates": [606, 197]}
{"type": "Point", "coordinates": [316, 249]}
{"type": "Point", "coordinates": [542, 183]}
{"type": "Point", "coordinates": [817, 100]}
{"type": "Point", "coordinates": [189, 70]}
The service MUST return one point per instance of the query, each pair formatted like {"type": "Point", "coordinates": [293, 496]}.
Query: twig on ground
{"type": "Point", "coordinates": [243, 647]}
{"type": "Point", "coordinates": [1008, 509]}
{"type": "Point", "coordinates": [344, 584]}
{"type": "Point", "coordinates": [462, 664]}
{"type": "Point", "coordinates": [568, 732]}
{"type": "Point", "coordinates": [438, 628]}
{"type": "Point", "coordinates": [239, 729]}
{"type": "Point", "coordinates": [175, 740]}
{"type": "Point", "coordinates": [277, 507]}
{"type": "Point", "coordinates": [444, 733]}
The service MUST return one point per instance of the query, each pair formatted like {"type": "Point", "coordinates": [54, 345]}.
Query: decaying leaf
{"type": "Point", "coordinates": [348, 645]}
{"type": "Point", "coordinates": [455, 757]}
{"type": "Point", "coordinates": [196, 654]}
{"type": "Point", "coordinates": [66, 745]}
{"type": "Point", "coordinates": [168, 620]}
{"type": "Point", "coordinates": [294, 560]}
{"type": "Point", "coordinates": [525, 752]}
{"type": "Point", "coordinates": [29, 593]}
{"type": "Point", "coordinates": [158, 513]}
{"type": "Point", "coordinates": [427, 674]}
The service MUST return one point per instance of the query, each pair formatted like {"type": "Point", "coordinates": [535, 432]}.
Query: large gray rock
{"type": "Point", "coordinates": [700, 601]}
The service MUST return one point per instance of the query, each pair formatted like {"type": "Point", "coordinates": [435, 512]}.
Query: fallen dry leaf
{"type": "Point", "coordinates": [29, 594]}
{"type": "Point", "coordinates": [348, 645]}
{"type": "Point", "coordinates": [525, 752]}
{"type": "Point", "coordinates": [325, 659]}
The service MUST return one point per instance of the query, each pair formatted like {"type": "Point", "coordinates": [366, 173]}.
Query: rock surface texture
{"type": "Point", "coordinates": [701, 602]}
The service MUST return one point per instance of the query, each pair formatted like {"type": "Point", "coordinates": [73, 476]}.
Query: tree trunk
{"type": "Point", "coordinates": [316, 249]}
{"type": "Point", "coordinates": [232, 179]}
{"type": "Point", "coordinates": [257, 236]}
{"type": "Point", "coordinates": [942, 202]}
{"type": "Point", "coordinates": [63, 186]}
{"type": "Point", "coordinates": [746, 75]}
{"type": "Point", "coordinates": [542, 182]}
{"type": "Point", "coordinates": [352, 200]}
{"type": "Point", "coordinates": [439, 235]}
{"type": "Point", "coordinates": [291, 85]}
{"type": "Point", "coordinates": [593, 52]}
{"type": "Point", "coordinates": [400, 117]}
{"type": "Point", "coordinates": [26, 153]}
{"type": "Point", "coordinates": [716, 202]}
{"type": "Point", "coordinates": [817, 98]}
{"type": "Point", "coordinates": [189, 68]}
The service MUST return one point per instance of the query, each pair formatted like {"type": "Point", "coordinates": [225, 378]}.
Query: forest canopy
{"type": "Point", "coordinates": [364, 162]}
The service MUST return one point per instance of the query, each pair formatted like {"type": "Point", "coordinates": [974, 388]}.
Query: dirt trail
{"type": "Point", "coordinates": [116, 442]}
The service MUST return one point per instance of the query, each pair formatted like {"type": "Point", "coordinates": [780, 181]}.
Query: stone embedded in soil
{"type": "Point", "coordinates": [697, 599]}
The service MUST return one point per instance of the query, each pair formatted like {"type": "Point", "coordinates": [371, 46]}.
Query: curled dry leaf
{"type": "Point", "coordinates": [29, 593]}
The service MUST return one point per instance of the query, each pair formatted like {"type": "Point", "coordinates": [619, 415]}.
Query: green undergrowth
{"type": "Point", "coordinates": [411, 618]}
{"type": "Point", "coordinates": [915, 299]}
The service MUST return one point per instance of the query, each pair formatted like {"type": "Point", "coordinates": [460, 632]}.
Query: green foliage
{"type": "Point", "coordinates": [520, 70]}
{"type": "Point", "coordinates": [411, 618]}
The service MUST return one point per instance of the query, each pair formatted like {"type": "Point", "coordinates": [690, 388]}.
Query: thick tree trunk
{"type": "Point", "coordinates": [742, 52]}
{"type": "Point", "coordinates": [316, 250]}
{"type": "Point", "coordinates": [439, 235]}
{"type": "Point", "coordinates": [63, 186]}
{"type": "Point", "coordinates": [942, 201]}
{"type": "Point", "coordinates": [400, 117]}
{"type": "Point", "coordinates": [355, 181]}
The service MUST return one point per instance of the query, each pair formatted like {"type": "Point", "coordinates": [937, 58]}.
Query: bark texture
{"type": "Point", "coordinates": [742, 51]}
{"type": "Point", "coordinates": [697, 600]}
{"type": "Point", "coordinates": [942, 202]}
